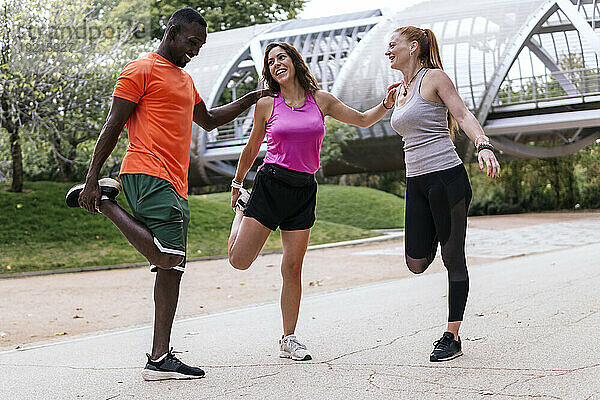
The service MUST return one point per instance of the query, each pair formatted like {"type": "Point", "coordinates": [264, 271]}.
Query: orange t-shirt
{"type": "Point", "coordinates": [160, 128]}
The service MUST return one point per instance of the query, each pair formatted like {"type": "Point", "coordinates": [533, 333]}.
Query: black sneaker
{"type": "Point", "coordinates": [108, 186]}
{"type": "Point", "coordinates": [446, 348]}
{"type": "Point", "coordinates": [169, 368]}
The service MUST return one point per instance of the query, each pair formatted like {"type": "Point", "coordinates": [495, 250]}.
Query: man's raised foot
{"type": "Point", "coordinates": [109, 187]}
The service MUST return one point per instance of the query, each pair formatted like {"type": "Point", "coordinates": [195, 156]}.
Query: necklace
{"type": "Point", "coordinates": [409, 82]}
{"type": "Point", "coordinates": [290, 104]}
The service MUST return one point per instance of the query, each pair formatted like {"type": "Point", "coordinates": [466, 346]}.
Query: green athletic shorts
{"type": "Point", "coordinates": [155, 203]}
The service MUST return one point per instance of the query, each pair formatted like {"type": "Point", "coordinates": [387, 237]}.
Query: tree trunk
{"type": "Point", "coordinates": [17, 159]}
{"type": "Point", "coordinates": [556, 168]}
{"type": "Point", "coordinates": [64, 168]}
{"type": "Point", "coordinates": [63, 155]}
{"type": "Point", "coordinates": [571, 183]}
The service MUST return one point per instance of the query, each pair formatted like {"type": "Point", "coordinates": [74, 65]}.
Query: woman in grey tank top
{"type": "Point", "coordinates": [438, 192]}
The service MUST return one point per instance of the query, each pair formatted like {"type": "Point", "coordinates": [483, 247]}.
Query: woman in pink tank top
{"type": "Point", "coordinates": [284, 190]}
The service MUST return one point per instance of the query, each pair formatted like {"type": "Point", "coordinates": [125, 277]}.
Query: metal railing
{"type": "Point", "coordinates": [532, 89]}
{"type": "Point", "coordinates": [234, 133]}
{"type": "Point", "coordinates": [523, 90]}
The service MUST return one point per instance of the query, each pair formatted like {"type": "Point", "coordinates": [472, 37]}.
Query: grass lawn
{"type": "Point", "coordinates": [38, 231]}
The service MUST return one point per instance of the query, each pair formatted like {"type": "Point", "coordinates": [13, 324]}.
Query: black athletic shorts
{"type": "Point", "coordinates": [283, 198]}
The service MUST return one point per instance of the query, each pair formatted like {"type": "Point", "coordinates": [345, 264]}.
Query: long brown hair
{"type": "Point", "coordinates": [306, 79]}
{"type": "Point", "coordinates": [429, 55]}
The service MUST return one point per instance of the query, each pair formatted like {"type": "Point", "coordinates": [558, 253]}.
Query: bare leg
{"type": "Point", "coordinates": [138, 235]}
{"type": "Point", "coordinates": [248, 236]}
{"type": "Point", "coordinates": [235, 228]}
{"type": "Point", "coordinates": [294, 249]}
{"type": "Point", "coordinates": [454, 327]}
{"type": "Point", "coordinates": [166, 295]}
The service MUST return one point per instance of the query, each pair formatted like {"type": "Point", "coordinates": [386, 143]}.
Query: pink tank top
{"type": "Point", "coordinates": [294, 137]}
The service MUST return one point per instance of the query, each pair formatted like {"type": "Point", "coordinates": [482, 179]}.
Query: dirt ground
{"type": "Point", "coordinates": [54, 306]}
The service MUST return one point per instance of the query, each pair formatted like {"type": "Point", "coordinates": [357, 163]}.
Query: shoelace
{"type": "Point", "coordinates": [175, 360]}
{"type": "Point", "coordinates": [442, 344]}
{"type": "Point", "coordinates": [295, 344]}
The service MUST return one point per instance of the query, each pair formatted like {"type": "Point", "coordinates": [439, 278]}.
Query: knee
{"type": "Point", "coordinates": [417, 266]}
{"type": "Point", "coordinates": [449, 260]}
{"type": "Point", "coordinates": [238, 262]}
{"type": "Point", "coordinates": [292, 271]}
{"type": "Point", "coordinates": [166, 261]}
{"type": "Point", "coordinates": [456, 265]}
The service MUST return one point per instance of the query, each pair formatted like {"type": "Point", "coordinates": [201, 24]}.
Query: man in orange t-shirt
{"type": "Point", "coordinates": [157, 100]}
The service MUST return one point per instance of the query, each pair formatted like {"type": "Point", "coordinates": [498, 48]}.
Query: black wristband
{"type": "Point", "coordinates": [484, 146]}
{"type": "Point", "coordinates": [383, 104]}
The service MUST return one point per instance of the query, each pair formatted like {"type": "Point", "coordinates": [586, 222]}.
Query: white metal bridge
{"type": "Point", "coordinates": [528, 69]}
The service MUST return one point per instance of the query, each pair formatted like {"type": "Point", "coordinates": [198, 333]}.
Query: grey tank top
{"type": "Point", "coordinates": [423, 125]}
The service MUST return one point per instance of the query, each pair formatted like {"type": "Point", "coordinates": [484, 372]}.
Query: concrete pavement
{"type": "Point", "coordinates": [530, 331]}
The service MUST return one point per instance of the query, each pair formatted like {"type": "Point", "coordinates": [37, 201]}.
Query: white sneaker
{"type": "Point", "coordinates": [290, 347]}
{"type": "Point", "coordinates": [242, 200]}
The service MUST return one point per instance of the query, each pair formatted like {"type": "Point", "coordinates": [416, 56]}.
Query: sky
{"type": "Point", "coordinates": [323, 8]}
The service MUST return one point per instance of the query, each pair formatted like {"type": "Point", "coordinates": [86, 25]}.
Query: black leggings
{"type": "Point", "coordinates": [436, 211]}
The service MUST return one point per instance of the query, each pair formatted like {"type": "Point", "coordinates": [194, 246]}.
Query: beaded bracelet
{"type": "Point", "coordinates": [484, 146]}
{"type": "Point", "coordinates": [479, 137]}
{"type": "Point", "coordinates": [236, 185]}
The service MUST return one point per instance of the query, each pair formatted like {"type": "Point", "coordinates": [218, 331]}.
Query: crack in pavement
{"type": "Point", "coordinates": [267, 375]}
{"type": "Point", "coordinates": [422, 380]}
{"type": "Point", "coordinates": [584, 317]}
{"type": "Point", "coordinates": [545, 291]}
{"type": "Point", "coordinates": [71, 367]}
{"type": "Point", "coordinates": [522, 381]}
{"type": "Point", "coordinates": [370, 380]}
{"type": "Point", "coordinates": [328, 362]}
{"type": "Point", "coordinates": [230, 391]}
{"type": "Point", "coordinates": [564, 325]}
{"type": "Point", "coordinates": [558, 372]}
{"type": "Point", "coordinates": [527, 396]}
{"type": "Point", "coordinates": [446, 388]}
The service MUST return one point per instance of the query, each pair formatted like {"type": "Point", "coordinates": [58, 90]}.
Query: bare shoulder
{"type": "Point", "coordinates": [435, 82]}
{"type": "Point", "coordinates": [324, 99]}
{"type": "Point", "coordinates": [439, 77]}
{"type": "Point", "coordinates": [264, 106]}
{"type": "Point", "coordinates": [265, 102]}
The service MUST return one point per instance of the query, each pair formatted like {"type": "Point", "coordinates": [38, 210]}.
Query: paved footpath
{"type": "Point", "coordinates": [531, 330]}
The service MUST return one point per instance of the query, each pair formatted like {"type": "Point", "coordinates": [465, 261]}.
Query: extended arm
{"type": "Point", "coordinates": [250, 151]}
{"type": "Point", "coordinates": [466, 120]}
{"type": "Point", "coordinates": [332, 106]}
{"type": "Point", "coordinates": [210, 119]}
{"type": "Point", "coordinates": [120, 111]}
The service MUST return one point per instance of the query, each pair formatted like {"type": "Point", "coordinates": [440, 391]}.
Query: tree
{"type": "Point", "coordinates": [56, 58]}
{"type": "Point", "coordinates": [225, 14]}
{"type": "Point", "coordinates": [75, 116]}
{"type": "Point", "coordinates": [18, 93]}
{"type": "Point", "coordinates": [337, 135]}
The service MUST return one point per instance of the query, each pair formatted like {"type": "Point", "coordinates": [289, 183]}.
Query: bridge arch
{"type": "Point", "coordinates": [529, 70]}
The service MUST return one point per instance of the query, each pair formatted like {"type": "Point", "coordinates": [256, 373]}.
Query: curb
{"type": "Point", "coordinates": [391, 234]}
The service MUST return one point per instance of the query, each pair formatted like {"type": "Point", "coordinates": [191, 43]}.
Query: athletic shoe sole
{"type": "Point", "coordinates": [285, 354]}
{"type": "Point", "coordinates": [149, 375]}
{"type": "Point", "coordinates": [108, 186]}
{"type": "Point", "coordinates": [452, 357]}
{"type": "Point", "coordinates": [242, 200]}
